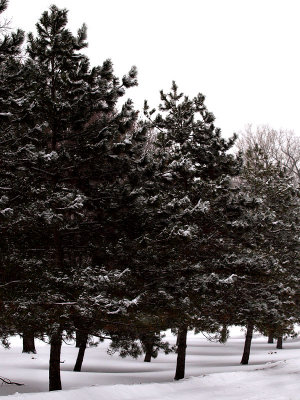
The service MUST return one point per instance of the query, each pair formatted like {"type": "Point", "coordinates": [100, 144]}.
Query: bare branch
{"type": "Point", "coordinates": [9, 382]}
{"type": "Point", "coordinates": [279, 146]}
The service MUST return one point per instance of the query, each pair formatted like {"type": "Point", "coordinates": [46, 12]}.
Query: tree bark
{"type": "Point", "coordinates": [148, 355]}
{"type": "Point", "coordinates": [247, 346]}
{"type": "Point", "coordinates": [279, 343]}
{"type": "Point", "coordinates": [149, 350]}
{"type": "Point", "coordinates": [54, 363]}
{"type": "Point", "coordinates": [224, 334]}
{"type": "Point", "coordinates": [181, 352]}
{"type": "Point", "coordinates": [270, 339]}
{"type": "Point", "coordinates": [81, 351]}
{"type": "Point", "coordinates": [28, 343]}
{"type": "Point", "coordinates": [79, 337]}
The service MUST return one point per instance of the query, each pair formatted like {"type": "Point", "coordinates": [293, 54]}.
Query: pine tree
{"type": "Point", "coordinates": [185, 199]}
{"type": "Point", "coordinates": [47, 225]}
{"type": "Point", "coordinates": [115, 142]}
{"type": "Point", "coordinates": [267, 262]}
{"type": "Point", "coordinates": [10, 67]}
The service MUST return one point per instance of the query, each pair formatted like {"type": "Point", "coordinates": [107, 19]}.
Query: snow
{"type": "Point", "coordinates": [49, 156]}
{"type": "Point", "coordinates": [231, 279]}
{"type": "Point", "coordinates": [7, 211]}
{"type": "Point", "coordinates": [202, 206]}
{"type": "Point", "coordinates": [212, 372]}
{"type": "Point", "coordinates": [185, 233]}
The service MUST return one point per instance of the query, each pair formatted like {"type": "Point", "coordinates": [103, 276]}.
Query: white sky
{"type": "Point", "coordinates": [243, 55]}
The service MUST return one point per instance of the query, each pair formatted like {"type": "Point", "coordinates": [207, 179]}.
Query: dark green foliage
{"type": "Point", "coordinates": [10, 67]}
{"type": "Point", "coordinates": [10, 44]}
{"type": "Point", "coordinates": [105, 230]}
{"type": "Point", "coordinates": [184, 202]}
{"type": "Point", "coordinates": [271, 264]}
{"type": "Point", "coordinates": [60, 169]}
{"type": "Point", "coordinates": [135, 344]}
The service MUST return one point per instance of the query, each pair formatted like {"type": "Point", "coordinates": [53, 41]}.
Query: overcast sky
{"type": "Point", "coordinates": [243, 55]}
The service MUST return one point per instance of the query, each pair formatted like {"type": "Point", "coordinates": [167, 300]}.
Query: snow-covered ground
{"type": "Point", "coordinates": [213, 372]}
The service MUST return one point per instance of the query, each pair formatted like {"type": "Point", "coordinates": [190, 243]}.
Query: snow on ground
{"type": "Point", "coordinates": [213, 372]}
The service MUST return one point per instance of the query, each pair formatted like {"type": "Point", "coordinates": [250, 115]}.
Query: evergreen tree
{"type": "Point", "coordinates": [10, 67]}
{"type": "Point", "coordinates": [184, 199]}
{"type": "Point", "coordinates": [267, 261]}
{"type": "Point", "coordinates": [47, 224]}
{"type": "Point", "coordinates": [116, 143]}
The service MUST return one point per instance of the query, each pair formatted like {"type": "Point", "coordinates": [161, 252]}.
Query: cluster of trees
{"type": "Point", "coordinates": [113, 225]}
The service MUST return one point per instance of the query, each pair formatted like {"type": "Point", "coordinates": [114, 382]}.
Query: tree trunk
{"type": "Point", "coordinates": [79, 337]}
{"type": "Point", "coordinates": [81, 351]}
{"type": "Point", "coordinates": [247, 346]}
{"type": "Point", "coordinates": [149, 350]}
{"type": "Point", "coordinates": [148, 356]}
{"type": "Point", "coordinates": [28, 343]}
{"type": "Point", "coordinates": [270, 339]}
{"type": "Point", "coordinates": [279, 343]}
{"type": "Point", "coordinates": [224, 334]}
{"type": "Point", "coordinates": [181, 351]}
{"type": "Point", "coordinates": [54, 363]}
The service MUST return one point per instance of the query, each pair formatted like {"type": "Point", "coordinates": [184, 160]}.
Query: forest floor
{"type": "Point", "coordinates": [213, 372]}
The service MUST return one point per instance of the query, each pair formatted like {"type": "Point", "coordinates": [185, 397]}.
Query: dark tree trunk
{"type": "Point", "coordinates": [149, 350]}
{"type": "Point", "coordinates": [148, 356]}
{"type": "Point", "coordinates": [224, 334]}
{"type": "Point", "coordinates": [80, 337]}
{"type": "Point", "coordinates": [54, 363]}
{"type": "Point", "coordinates": [247, 346]}
{"type": "Point", "coordinates": [279, 342]}
{"type": "Point", "coordinates": [81, 351]}
{"type": "Point", "coordinates": [270, 339]}
{"type": "Point", "coordinates": [181, 351]}
{"type": "Point", "coordinates": [28, 343]}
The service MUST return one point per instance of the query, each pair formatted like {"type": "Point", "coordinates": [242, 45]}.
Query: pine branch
{"type": "Point", "coordinates": [9, 283]}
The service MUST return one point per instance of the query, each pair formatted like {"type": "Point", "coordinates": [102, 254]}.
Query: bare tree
{"type": "Point", "coordinates": [279, 146]}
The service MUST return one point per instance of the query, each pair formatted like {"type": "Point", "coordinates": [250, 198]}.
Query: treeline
{"type": "Point", "coordinates": [122, 226]}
